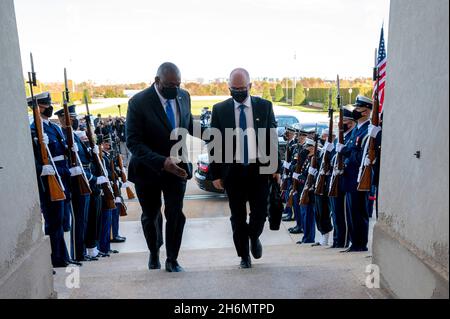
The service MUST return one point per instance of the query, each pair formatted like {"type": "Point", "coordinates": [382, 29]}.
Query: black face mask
{"type": "Point", "coordinates": [239, 96]}
{"type": "Point", "coordinates": [169, 93]}
{"type": "Point", "coordinates": [75, 124]}
{"type": "Point", "coordinates": [357, 115]}
{"type": "Point", "coordinates": [48, 112]}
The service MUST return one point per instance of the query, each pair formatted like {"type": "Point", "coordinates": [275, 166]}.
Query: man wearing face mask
{"type": "Point", "coordinates": [341, 218]}
{"type": "Point", "coordinates": [152, 115]}
{"type": "Point", "coordinates": [242, 179]}
{"type": "Point", "coordinates": [53, 211]}
{"type": "Point", "coordinates": [356, 201]}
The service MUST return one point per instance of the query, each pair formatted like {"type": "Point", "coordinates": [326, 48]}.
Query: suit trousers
{"type": "Point", "coordinates": [173, 190]}
{"type": "Point", "coordinates": [357, 207]}
{"type": "Point", "coordinates": [244, 184]}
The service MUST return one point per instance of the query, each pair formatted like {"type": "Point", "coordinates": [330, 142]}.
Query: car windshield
{"type": "Point", "coordinates": [284, 121]}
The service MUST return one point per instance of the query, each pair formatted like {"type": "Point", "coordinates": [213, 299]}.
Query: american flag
{"type": "Point", "coordinates": [381, 64]}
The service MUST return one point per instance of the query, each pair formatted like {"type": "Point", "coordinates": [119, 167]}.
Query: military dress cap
{"type": "Point", "coordinates": [348, 112]}
{"type": "Point", "coordinates": [362, 101]}
{"type": "Point", "coordinates": [72, 111]}
{"type": "Point", "coordinates": [290, 129]}
{"type": "Point", "coordinates": [41, 98]}
{"type": "Point", "coordinates": [309, 142]}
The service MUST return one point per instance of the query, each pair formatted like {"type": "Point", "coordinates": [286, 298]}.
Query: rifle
{"type": "Point", "coordinates": [309, 185]}
{"type": "Point", "coordinates": [123, 176]}
{"type": "Point", "coordinates": [106, 187]}
{"type": "Point", "coordinates": [365, 172]}
{"type": "Point", "coordinates": [338, 168]}
{"type": "Point", "coordinates": [286, 171]}
{"type": "Point", "coordinates": [298, 169]}
{"type": "Point", "coordinates": [74, 160]}
{"type": "Point", "coordinates": [55, 186]}
{"type": "Point", "coordinates": [114, 179]}
{"type": "Point", "coordinates": [325, 166]}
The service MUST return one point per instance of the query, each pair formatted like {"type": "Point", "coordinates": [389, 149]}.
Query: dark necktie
{"type": "Point", "coordinates": [243, 126]}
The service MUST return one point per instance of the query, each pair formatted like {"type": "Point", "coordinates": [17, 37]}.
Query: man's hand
{"type": "Point", "coordinates": [218, 184]}
{"type": "Point", "coordinates": [277, 178]}
{"type": "Point", "coordinates": [171, 167]}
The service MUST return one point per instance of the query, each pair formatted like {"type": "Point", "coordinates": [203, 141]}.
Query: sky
{"type": "Point", "coordinates": [118, 41]}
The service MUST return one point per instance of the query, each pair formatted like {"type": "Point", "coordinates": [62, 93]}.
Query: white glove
{"type": "Point", "coordinates": [295, 176]}
{"type": "Point", "coordinates": [75, 148]}
{"type": "Point", "coordinates": [374, 130]}
{"type": "Point", "coordinates": [125, 185]}
{"type": "Point", "coordinates": [96, 150]}
{"type": "Point", "coordinates": [367, 161]}
{"type": "Point", "coordinates": [329, 147]}
{"type": "Point", "coordinates": [48, 170]}
{"type": "Point", "coordinates": [102, 180]}
{"type": "Point", "coordinates": [118, 200]}
{"type": "Point", "coordinates": [45, 139]}
{"type": "Point", "coordinates": [312, 171]}
{"type": "Point", "coordinates": [286, 165]}
{"type": "Point", "coordinates": [339, 147]}
{"type": "Point", "coordinates": [76, 171]}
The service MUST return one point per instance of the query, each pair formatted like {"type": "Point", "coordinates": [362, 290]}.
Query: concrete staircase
{"type": "Point", "coordinates": [286, 270]}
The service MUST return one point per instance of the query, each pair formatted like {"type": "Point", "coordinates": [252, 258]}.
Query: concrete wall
{"type": "Point", "coordinates": [411, 239]}
{"type": "Point", "coordinates": [25, 268]}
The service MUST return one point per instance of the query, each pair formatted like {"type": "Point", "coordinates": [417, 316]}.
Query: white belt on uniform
{"type": "Point", "coordinates": [59, 158]}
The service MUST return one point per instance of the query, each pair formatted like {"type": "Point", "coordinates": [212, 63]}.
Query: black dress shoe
{"type": "Point", "coordinates": [316, 244]}
{"type": "Point", "coordinates": [287, 219]}
{"type": "Point", "coordinates": [113, 251]}
{"type": "Point", "coordinates": [73, 262]}
{"type": "Point", "coordinates": [90, 258]}
{"type": "Point", "coordinates": [153, 261]}
{"type": "Point", "coordinates": [173, 266]}
{"type": "Point", "coordinates": [296, 230]}
{"type": "Point", "coordinates": [256, 248]}
{"type": "Point", "coordinates": [352, 249]}
{"type": "Point", "coordinates": [246, 262]}
{"type": "Point", "coordinates": [103, 255]}
{"type": "Point", "coordinates": [118, 239]}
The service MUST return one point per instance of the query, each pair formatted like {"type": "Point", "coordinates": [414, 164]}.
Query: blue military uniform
{"type": "Point", "coordinates": [307, 212]}
{"type": "Point", "coordinates": [356, 201]}
{"type": "Point", "coordinates": [79, 202]}
{"type": "Point", "coordinates": [341, 218]}
{"type": "Point", "coordinates": [287, 174]}
{"type": "Point", "coordinates": [53, 211]}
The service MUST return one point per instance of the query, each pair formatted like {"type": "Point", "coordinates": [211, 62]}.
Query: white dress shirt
{"type": "Point", "coordinates": [251, 134]}
{"type": "Point", "coordinates": [361, 124]}
{"type": "Point", "coordinates": [173, 103]}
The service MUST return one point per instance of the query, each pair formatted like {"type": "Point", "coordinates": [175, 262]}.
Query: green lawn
{"type": "Point", "coordinates": [197, 106]}
{"type": "Point", "coordinates": [114, 110]}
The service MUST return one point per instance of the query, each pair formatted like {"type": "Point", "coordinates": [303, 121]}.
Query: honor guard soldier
{"type": "Point", "coordinates": [353, 152]}
{"type": "Point", "coordinates": [307, 212]}
{"type": "Point", "coordinates": [80, 200]}
{"type": "Point", "coordinates": [53, 211]}
{"type": "Point", "coordinates": [291, 143]}
{"type": "Point", "coordinates": [341, 218]}
{"type": "Point", "coordinates": [322, 203]}
{"type": "Point", "coordinates": [104, 240]}
{"type": "Point", "coordinates": [299, 160]}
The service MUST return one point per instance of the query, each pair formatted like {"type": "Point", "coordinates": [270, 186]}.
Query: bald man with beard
{"type": "Point", "coordinates": [242, 178]}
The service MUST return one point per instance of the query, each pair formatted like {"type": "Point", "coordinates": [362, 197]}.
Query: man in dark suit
{"type": "Point", "coordinates": [246, 173]}
{"type": "Point", "coordinates": [152, 115]}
